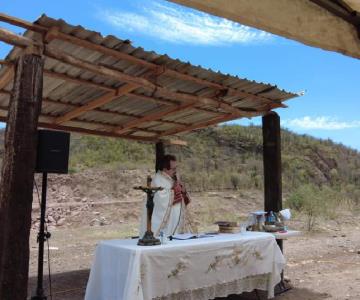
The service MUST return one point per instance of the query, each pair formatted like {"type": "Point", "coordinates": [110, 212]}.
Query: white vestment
{"type": "Point", "coordinates": [167, 217]}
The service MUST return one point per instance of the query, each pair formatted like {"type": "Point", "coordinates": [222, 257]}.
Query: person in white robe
{"type": "Point", "coordinates": [170, 204]}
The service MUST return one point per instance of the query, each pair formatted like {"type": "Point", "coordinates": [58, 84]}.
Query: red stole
{"type": "Point", "coordinates": [180, 193]}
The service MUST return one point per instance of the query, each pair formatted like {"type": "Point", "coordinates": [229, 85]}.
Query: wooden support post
{"type": "Point", "coordinates": [160, 152]}
{"type": "Point", "coordinates": [272, 162]}
{"type": "Point", "coordinates": [272, 174]}
{"type": "Point", "coordinates": [18, 176]}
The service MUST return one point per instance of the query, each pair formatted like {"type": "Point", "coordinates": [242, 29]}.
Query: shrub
{"type": "Point", "coordinates": [235, 181]}
{"type": "Point", "coordinates": [314, 201]}
{"type": "Point", "coordinates": [306, 199]}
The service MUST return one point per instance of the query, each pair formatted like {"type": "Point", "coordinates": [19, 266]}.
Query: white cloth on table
{"type": "Point", "coordinates": [166, 216]}
{"type": "Point", "coordinates": [197, 269]}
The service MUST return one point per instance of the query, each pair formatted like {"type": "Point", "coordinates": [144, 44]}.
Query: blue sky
{"type": "Point", "coordinates": [331, 104]}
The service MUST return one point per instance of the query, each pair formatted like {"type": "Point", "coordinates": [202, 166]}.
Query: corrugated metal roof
{"type": "Point", "coordinates": [67, 87]}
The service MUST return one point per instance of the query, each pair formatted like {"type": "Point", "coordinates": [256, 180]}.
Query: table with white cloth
{"type": "Point", "coordinates": [193, 269]}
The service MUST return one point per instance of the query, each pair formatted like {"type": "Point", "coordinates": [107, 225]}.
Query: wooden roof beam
{"type": "Point", "coordinates": [104, 99]}
{"type": "Point", "coordinates": [11, 38]}
{"type": "Point", "coordinates": [22, 23]}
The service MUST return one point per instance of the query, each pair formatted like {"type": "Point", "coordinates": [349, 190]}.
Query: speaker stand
{"type": "Point", "coordinates": [41, 238]}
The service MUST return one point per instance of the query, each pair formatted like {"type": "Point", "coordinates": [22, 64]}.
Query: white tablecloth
{"type": "Point", "coordinates": [199, 269]}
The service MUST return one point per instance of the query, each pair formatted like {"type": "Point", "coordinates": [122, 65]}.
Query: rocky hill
{"type": "Point", "coordinates": [229, 157]}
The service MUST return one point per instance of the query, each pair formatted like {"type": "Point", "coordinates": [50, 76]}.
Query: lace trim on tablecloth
{"type": "Point", "coordinates": [247, 284]}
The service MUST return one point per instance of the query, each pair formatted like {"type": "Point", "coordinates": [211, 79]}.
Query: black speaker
{"type": "Point", "coordinates": [52, 152]}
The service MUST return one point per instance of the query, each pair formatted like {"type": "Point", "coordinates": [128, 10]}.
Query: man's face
{"type": "Point", "coordinates": [172, 169]}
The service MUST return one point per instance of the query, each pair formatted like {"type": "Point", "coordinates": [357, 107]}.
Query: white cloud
{"type": "Point", "coordinates": [182, 26]}
{"type": "Point", "coordinates": [324, 122]}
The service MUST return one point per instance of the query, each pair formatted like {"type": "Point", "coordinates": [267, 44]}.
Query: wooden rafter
{"type": "Point", "coordinates": [17, 40]}
{"type": "Point", "coordinates": [108, 97]}
{"type": "Point", "coordinates": [22, 23]}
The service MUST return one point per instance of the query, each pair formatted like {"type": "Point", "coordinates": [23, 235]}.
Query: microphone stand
{"type": "Point", "coordinates": [41, 238]}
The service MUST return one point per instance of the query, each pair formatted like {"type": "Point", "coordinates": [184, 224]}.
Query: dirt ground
{"type": "Point", "coordinates": [324, 264]}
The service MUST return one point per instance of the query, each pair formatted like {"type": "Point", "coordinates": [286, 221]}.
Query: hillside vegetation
{"type": "Point", "coordinates": [230, 157]}
{"type": "Point", "coordinates": [318, 175]}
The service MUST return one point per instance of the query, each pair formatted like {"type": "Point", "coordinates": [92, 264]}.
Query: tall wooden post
{"type": "Point", "coordinates": [159, 153]}
{"type": "Point", "coordinates": [272, 162]}
{"type": "Point", "coordinates": [18, 175]}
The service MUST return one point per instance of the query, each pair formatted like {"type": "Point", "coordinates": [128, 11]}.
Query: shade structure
{"type": "Point", "coordinates": [328, 24]}
{"type": "Point", "coordinates": [105, 86]}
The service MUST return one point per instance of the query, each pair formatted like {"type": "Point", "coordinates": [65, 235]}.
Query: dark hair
{"type": "Point", "coordinates": [165, 162]}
